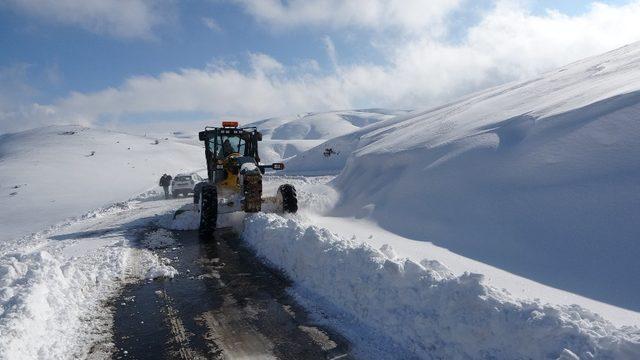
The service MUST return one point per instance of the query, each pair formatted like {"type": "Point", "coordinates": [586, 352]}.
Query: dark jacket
{"type": "Point", "coordinates": [165, 180]}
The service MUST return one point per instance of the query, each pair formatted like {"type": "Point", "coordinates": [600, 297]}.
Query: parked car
{"type": "Point", "coordinates": [184, 184]}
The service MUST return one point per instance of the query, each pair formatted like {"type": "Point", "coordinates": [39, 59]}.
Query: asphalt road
{"type": "Point", "coordinates": [225, 304]}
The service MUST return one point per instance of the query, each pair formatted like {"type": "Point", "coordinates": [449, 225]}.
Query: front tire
{"type": "Point", "coordinates": [208, 210]}
{"type": "Point", "coordinates": [252, 191]}
{"type": "Point", "coordinates": [287, 198]}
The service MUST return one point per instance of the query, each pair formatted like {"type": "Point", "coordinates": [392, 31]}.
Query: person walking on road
{"type": "Point", "coordinates": [165, 181]}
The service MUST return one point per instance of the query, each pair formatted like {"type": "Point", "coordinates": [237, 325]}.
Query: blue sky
{"type": "Point", "coordinates": [64, 61]}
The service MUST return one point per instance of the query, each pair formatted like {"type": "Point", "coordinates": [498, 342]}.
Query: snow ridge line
{"type": "Point", "coordinates": [425, 308]}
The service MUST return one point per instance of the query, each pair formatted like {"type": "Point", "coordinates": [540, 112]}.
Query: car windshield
{"type": "Point", "coordinates": [183, 178]}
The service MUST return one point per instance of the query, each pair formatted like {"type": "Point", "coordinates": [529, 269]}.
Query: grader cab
{"type": "Point", "coordinates": [234, 176]}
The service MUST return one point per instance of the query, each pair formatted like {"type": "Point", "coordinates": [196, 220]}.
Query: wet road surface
{"type": "Point", "coordinates": [224, 304]}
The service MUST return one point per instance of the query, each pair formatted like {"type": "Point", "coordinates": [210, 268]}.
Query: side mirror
{"type": "Point", "coordinates": [274, 166]}
{"type": "Point", "coordinates": [259, 136]}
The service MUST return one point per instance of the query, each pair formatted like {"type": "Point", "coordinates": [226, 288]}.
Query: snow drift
{"type": "Point", "coordinates": [426, 310]}
{"type": "Point", "coordinates": [539, 178]}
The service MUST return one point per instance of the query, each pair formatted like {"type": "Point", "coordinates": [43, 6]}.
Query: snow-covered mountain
{"type": "Point", "coordinates": [539, 178]}
{"type": "Point", "coordinates": [284, 136]}
{"type": "Point", "coordinates": [536, 180]}
{"type": "Point", "coordinates": [52, 173]}
{"type": "Point", "coordinates": [287, 136]}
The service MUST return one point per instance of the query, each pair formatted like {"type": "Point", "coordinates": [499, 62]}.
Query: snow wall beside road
{"type": "Point", "coordinates": [422, 307]}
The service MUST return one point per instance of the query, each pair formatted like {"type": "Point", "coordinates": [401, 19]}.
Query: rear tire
{"type": "Point", "coordinates": [208, 210]}
{"type": "Point", "coordinates": [288, 197]}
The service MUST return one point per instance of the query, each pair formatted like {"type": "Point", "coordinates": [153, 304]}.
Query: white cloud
{"type": "Point", "coordinates": [409, 15]}
{"type": "Point", "coordinates": [264, 64]}
{"type": "Point", "coordinates": [211, 24]}
{"type": "Point", "coordinates": [306, 66]}
{"type": "Point", "coordinates": [331, 51]}
{"type": "Point", "coordinates": [125, 19]}
{"type": "Point", "coordinates": [220, 90]}
{"type": "Point", "coordinates": [509, 43]}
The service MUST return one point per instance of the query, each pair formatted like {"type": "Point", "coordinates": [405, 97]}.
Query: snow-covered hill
{"type": "Point", "coordinates": [285, 137]}
{"type": "Point", "coordinates": [539, 178]}
{"type": "Point", "coordinates": [52, 173]}
{"type": "Point", "coordinates": [69, 185]}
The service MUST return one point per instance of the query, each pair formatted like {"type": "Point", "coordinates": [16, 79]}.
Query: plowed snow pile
{"type": "Point", "coordinates": [539, 178]}
{"type": "Point", "coordinates": [53, 286]}
{"type": "Point", "coordinates": [426, 310]}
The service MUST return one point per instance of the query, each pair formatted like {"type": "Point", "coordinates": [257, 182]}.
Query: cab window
{"type": "Point", "coordinates": [230, 144]}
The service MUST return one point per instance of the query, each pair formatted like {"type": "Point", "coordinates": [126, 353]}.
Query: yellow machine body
{"type": "Point", "coordinates": [229, 164]}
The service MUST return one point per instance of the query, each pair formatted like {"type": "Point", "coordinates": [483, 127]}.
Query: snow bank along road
{"type": "Point", "coordinates": [63, 297]}
{"type": "Point", "coordinates": [53, 284]}
{"type": "Point", "coordinates": [414, 299]}
{"type": "Point", "coordinates": [538, 178]}
{"type": "Point", "coordinates": [58, 293]}
{"type": "Point", "coordinates": [222, 304]}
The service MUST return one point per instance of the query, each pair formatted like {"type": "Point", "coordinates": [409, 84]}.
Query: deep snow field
{"type": "Point", "coordinates": [501, 226]}
{"type": "Point", "coordinates": [53, 173]}
{"type": "Point", "coordinates": [538, 178]}
{"type": "Point", "coordinates": [394, 297]}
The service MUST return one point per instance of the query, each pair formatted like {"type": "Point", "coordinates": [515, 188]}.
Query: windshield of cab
{"type": "Point", "coordinates": [226, 145]}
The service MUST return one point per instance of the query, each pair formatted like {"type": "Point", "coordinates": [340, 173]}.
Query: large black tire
{"type": "Point", "coordinates": [288, 197]}
{"type": "Point", "coordinates": [196, 192]}
{"type": "Point", "coordinates": [208, 210]}
{"type": "Point", "coordinates": [252, 191]}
